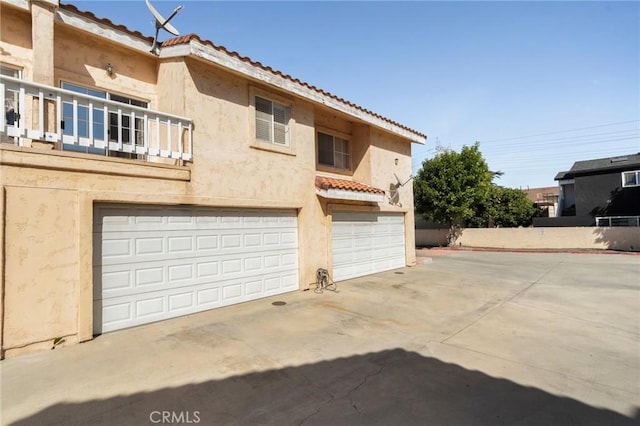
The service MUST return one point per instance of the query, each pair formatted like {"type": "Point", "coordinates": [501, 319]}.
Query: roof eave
{"type": "Point", "coordinates": [70, 15]}
{"type": "Point", "coordinates": [220, 58]}
{"type": "Point", "coordinates": [20, 4]}
{"type": "Point", "coordinates": [77, 20]}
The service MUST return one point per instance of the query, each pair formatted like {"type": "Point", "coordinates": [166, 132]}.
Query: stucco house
{"type": "Point", "coordinates": [137, 187]}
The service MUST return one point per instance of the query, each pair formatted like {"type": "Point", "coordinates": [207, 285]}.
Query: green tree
{"type": "Point", "coordinates": [456, 189]}
{"type": "Point", "coordinates": [449, 187]}
{"type": "Point", "coordinates": [508, 207]}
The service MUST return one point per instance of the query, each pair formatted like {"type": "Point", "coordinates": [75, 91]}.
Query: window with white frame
{"type": "Point", "coordinates": [272, 121]}
{"type": "Point", "coordinates": [82, 120]}
{"type": "Point", "coordinates": [631, 178]}
{"type": "Point", "coordinates": [333, 151]}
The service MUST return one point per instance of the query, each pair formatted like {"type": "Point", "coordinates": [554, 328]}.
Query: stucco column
{"type": "Point", "coordinates": [2, 242]}
{"type": "Point", "coordinates": [43, 14]}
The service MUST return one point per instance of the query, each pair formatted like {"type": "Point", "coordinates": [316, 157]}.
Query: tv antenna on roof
{"type": "Point", "coordinates": [162, 23]}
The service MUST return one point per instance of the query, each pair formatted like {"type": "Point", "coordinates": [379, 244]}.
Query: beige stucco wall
{"type": "Point", "coordinates": [40, 265]}
{"type": "Point", "coordinates": [47, 244]}
{"type": "Point", "coordinates": [42, 24]}
{"type": "Point", "coordinates": [50, 194]}
{"type": "Point", "coordinates": [83, 60]}
{"type": "Point", "coordinates": [15, 38]}
{"type": "Point", "coordinates": [599, 238]}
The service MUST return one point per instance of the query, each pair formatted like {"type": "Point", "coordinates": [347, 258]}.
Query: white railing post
{"type": "Point", "coordinates": [169, 149]}
{"type": "Point", "coordinates": [145, 134]}
{"type": "Point", "coordinates": [92, 142]}
{"type": "Point", "coordinates": [109, 114]}
{"type": "Point", "coordinates": [105, 131]}
{"type": "Point", "coordinates": [75, 121]}
{"type": "Point", "coordinates": [120, 130]}
{"type": "Point", "coordinates": [41, 114]}
{"type": "Point", "coordinates": [179, 141]}
{"type": "Point", "coordinates": [2, 102]}
{"type": "Point", "coordinates": [59, 117]}
{"type": "Point", "coordinates": [132, 131]}
{"type": "Point", "coordinates": [22, 113]}
{"type": "Point", "coordinates": [190, 142]}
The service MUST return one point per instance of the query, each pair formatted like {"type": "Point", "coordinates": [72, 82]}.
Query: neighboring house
{"type": "Point", "coordinates": [136, 188]}
{"type": "Point", "coordinates": [604, 191]}
{"type": "Point", "coordinates": [545, 199]}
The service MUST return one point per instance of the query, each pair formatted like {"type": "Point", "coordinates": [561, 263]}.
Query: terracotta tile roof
{"type": "Point", "coordinates": [347, 185]}
{"type": "Point", "coordinates": [189, 37]}
{"type": "Point", "coordinates": [105, 21]}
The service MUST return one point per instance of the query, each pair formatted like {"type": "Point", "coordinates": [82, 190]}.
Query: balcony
{"type": "Point", "coordinates": [80, 122]}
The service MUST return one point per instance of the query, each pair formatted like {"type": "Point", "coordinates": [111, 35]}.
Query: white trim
{"type": "Point", "coordinates": [234, 64]}
{"type": "Point", "coordinates": [342, 194]}
{"type": "Point", "coordinates": [83, 23]}
{"type": "Point", "coordinates": [22, 4]}
{"type": "Point", "coordinates": [637, 173]}
{"type": "Point", "coordinates": [248, 70]}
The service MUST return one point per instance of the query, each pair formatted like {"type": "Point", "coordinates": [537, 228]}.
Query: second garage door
{"type": "Point", "coordinates": [154, 263]}
{"type": "Point", "coordinates": [366, 243]}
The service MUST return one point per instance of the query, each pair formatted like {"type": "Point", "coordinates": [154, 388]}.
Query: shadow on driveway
{"type": "Point", "coordinates": [393, 387]}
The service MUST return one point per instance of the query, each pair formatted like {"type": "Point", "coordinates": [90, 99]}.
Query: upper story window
{"type": "Point", "coordinates": [118, 127]}
{"type": "Point", "coordinates": [631, 178]}
{"type": "Point", "coordinates": [272, 122]}
{"type": "Point", "coordinates": [333, 151]}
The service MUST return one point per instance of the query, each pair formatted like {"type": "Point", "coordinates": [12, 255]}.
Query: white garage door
{"type": "Point", "coordinates": [366, 243]}
{"type": "Point", "coordinates": [154, 263]}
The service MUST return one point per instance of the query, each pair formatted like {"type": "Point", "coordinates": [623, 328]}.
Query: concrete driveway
{"type": "Point", "coordinates": [469, 338]}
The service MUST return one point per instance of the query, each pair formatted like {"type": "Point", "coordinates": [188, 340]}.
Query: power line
{"type": "Point", "coordinates": [564, 146]}
{"type": "Point", "coordinates": [630, 132]}
{"type": "Point", "coordinates": [561, 131]}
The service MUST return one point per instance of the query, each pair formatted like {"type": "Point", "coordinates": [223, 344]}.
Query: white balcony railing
{"type": "Point", "coordinates": [75, 121]}
{"type": "Point", "coordinates": [618, 221]}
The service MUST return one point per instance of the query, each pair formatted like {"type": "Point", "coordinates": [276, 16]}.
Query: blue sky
{"type": "Point", "coordinates": [539, 84]}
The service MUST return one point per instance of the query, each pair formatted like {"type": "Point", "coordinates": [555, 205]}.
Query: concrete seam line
{"type": "Point", "coordinates": [500, 304]}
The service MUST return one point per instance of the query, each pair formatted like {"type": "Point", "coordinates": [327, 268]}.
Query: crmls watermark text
{"type": "Point", "coordinates": [174, 417]}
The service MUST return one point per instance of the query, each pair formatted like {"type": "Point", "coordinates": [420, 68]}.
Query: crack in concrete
{"type": "Point", "coordinates": [317, 411]}
{"type": "Point", "coordinates": [348, 395]}
{"type": "Point", "coordinates": [362, 383]}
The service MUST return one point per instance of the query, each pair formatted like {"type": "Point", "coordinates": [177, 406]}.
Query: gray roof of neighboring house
{"type": "Point", "coordinates": [586, 167]}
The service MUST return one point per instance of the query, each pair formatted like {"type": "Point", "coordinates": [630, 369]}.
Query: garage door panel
{"type": "Point", "coordinates": [366, 243]}
{"type": "Point", "coordinates": [140, 308]}
{"type": "Point", "coordinates": [135, 219]}
{"type": "Point", "coordinates": [342, 244]}
{"type": "Point", "coordinates": [139, 250]}
{"type": "Point", "coordinates": [124, 280]}
{"type": "Point", "coordinates": [156, 263]}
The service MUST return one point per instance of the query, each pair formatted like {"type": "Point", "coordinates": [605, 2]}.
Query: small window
{"type": "Point", "coordinates": [272, 122]}
{"type": "Point", "coordinates": [631, 178]}
{"type": "Point", "coordinates": [333, 151]}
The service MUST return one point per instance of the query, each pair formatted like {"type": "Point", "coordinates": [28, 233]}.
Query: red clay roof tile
{"type": "Point", "coordinates": [105, 21]}
{"type": "Point", "coordinates": [189, 37]}
{"type": "Point", "coordinates": [347, 185]}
